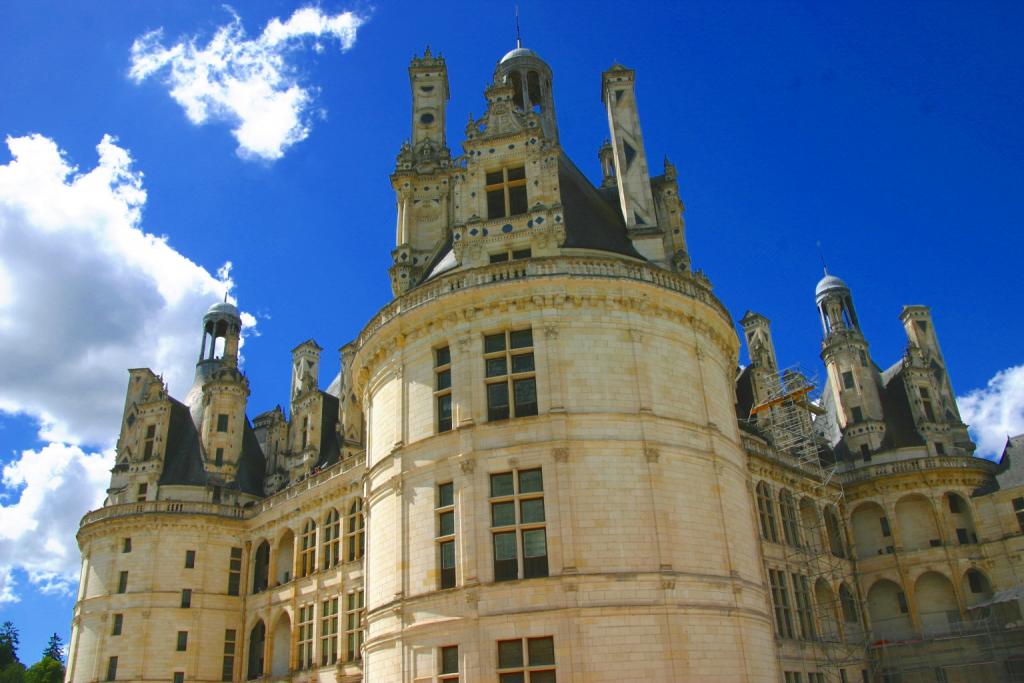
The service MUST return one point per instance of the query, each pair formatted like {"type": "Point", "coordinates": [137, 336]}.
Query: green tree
{"type": "Point", "coordinates": [8, 645]}
{"type": "Point", "coordinates": [54, 649]}
{"type": "Point", "coordinates": [46, 670]}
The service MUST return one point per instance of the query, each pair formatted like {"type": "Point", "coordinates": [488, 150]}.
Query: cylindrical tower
{"type": "Point", "coordinates": [584, 510]}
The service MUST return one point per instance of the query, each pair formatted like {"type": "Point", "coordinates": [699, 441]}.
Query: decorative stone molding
{"type": "Point", "coordinates": [551, 331]}
{"type": "Point", "coordinates": [652, 454]}
{"type": "Point", "coordinates": [561, 454]}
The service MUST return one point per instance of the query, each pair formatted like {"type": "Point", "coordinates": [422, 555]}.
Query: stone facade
{"type": "Point", "coordinates": [539, 462]}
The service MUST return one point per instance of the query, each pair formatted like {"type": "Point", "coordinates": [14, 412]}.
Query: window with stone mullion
{"type": "Point", "coordinates": [304, 637]}
{"type": "Point", "coordinates": [510, 375]}
{"type": "Point", "coordinates": [443, 388]}
{"type": "Point", "coordinates": [506, 192]}
{"type": "Point", "coordinates": [518, 525]}
{"type": "Point", "coordinates": [446, 535]}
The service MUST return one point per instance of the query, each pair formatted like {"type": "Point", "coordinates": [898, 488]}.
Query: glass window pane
{"type": "Point", "coordinates": [450, 660]}
{"type": "Point", "coordinates": [444, 413]}
{"type": "Point", "coordinates": [496, 367]}
{"type": "Point", "coordinates": [521, 253]}
{"type": "Point", "coordinates": [503, 514]}
{"type": "Point", "coordinates": [499, 258]}
{"type": "Point", "coordinates": [496, 203]}
{"type": "Point", "coordinates": [445, 494]}
{"type": "Point", "coordinates": [494, 178]}
{"type": "Point", "coordinates": [446, 524]}
{"type": "Point", "coordinates": [512, 678]}
{"type": "Point", "coordinates": [531, 481]}
{"type": "Point", "coordinates": [542, 676]}
{"type": "Point", "coordinates": [444, 380]}
{"type": "Point", "coordinates": [510, 654]}
{"type": "Point", "coordinates": [517, 173]}
{"type": "Point", "coordinates": [505, 546]}
{"type": "Point", "coordinates": [501, 484]}
{"type": "Point", "coordinates": [448, 555]}
{"type": "Point", "coordinates": [521, 339]}
{"type": "Point", "coordinates": [541, 651]}
{"type": "Point", "coordinates": [494, 342]}
{"type": "Point", "coordinates": [497, 401]}
{"type": "Point", "coordinates": [531, 511]}
{"type": "Point", "coordinates": [535, 543]}
{"type": "Point", "coordinates": [443, 356]}
{"type": "Point", "coordinates": [517, 200]}
{"type": "Point", "coordinates": [522, 363]}
{"type": "Point", "coordinates": [526, 396]}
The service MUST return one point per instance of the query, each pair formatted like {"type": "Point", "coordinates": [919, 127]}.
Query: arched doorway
{"type": "Point", "coordinates": [285, 557]}
{"type": "Point", "coordinates": [261, 568]}
{"type": "Point", "coordinates": [961, 521]}
{"type": "Point", "coordinates": [280, 660]}
{"type": "Point", "coordinates": [915, 520]}
{"type": "Point", "coordinates": [936, 604]}
{"type": "Point", "coordinates": [887, 607]}
{"type": "Point", "coordinates": [871, 533]}
{"type": "Point", "coordinates": [257, 647]}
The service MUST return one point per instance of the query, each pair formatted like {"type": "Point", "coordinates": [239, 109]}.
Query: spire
{"type": "Point", "coordinates": [821, 255]}
{"type": "Point", "coordinates": [519, 37]}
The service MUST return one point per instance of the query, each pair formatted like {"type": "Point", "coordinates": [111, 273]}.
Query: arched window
{"type": "Point", "coordinates": [766, 513]}
{"type": "Point", "coordinates": [834, 533]}
{"type": "Point", "coordinates": [354, 532]}
{"type": "Point", "coordinates": [331, 551]}
{"type": "Point", "coordinates": [261, 568]}
{"type": "Point", "coordinates": [871, 532]}
{"type": "Point", "coordinates": [787, 509]}
{"type": "Point", "coordinates": [307, 549]}
{"type": "Point", "coordinates": [257, 644]}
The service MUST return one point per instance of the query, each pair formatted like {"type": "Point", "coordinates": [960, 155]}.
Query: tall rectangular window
{"type": "Point", "coordinates": [355, 531]}
{"type": "Point", "coordinates": [307, 549]}
{"type": "Point", "coordinates": [304, 637]}
{"type": "Point", "coordinates": [510, 379]}
{"type": "Point", "coordinates": [329, 632]}
{"type": "Point", "coordinates": [331, 549]}
{"type": "Point", "coordinates": [222, 423]}
{"type": "Point", "coordinates": [848, 380]}
{"type": "Point", "coordinates": [884, 523]}
{"type": "Point", "coordinates": [354, 626]}
{"type": "Point", "coordinates": [179, 677]}
{"type": "Point", "coordinates": [143, 490]}
{"type": "Point", "coordinates": [506, 192]}
{"type": "Point", "coordinates": [804, 607]}
{"type": "Point", "coordinates": [186, 598]}
{"type": "Point", "coordinates": [126, 545]}
{"type": "Point", "coordinates": [449, 664]}
{"type": "Point", "coordinates": [122, 582]}
{"type": "Point", "coordinates": [780, 603]}
{"type": "Point", "coordinates": [190, 559]}
{"type": "Point", "coordinates": [538, 666]}
{"type": "Point", "coordinates": [443, 388]}
{"type": "Point", "coordinates": [235, 571]}
{"type": "Point", "coordinates": [446, 534]}
{"type": "Point", "coordinates": [182, 643]}
{"type": "Point", "coordinates": [518, 528]}
{"type": "Point", "coordinates": [118, 625]}
{"type": "Point", "coordinates": [227, 671]}
{"type": "Point", "coordinates": [147, 447]}
{"type": "Point", "coordinates": [1018, 509]}
{"type": "Point", "coordinates": [111, 669]}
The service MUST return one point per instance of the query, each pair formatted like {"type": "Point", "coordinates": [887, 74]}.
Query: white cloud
{"type": "Point", "coordinates": [247, 82]}
{"type": "Point", "coordinates": [86, 293]}
{"type": "Point", "coordinates": [995, 411]}
{"type": "Point", "coordinates": [89, 293]}
{"type": "Point", "coordinates": [57, 485]}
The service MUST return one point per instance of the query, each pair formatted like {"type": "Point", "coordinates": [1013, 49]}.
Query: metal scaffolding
{"type": "Point", "coordinates": [820, 551]}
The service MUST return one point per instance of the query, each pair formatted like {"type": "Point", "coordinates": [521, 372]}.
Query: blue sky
{"type": "Point", "coordinates": [889, 132]}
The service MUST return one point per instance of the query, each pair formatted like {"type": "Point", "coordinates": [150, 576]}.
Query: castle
{"type": "Point", "coordinates": [540, 462]}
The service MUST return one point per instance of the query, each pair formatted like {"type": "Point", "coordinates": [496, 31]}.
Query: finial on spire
{"type": "Point", "coordinates": [821, 254]}
{"type": "Point", "coordinates": [225, 296]}
{"type": "Point", "coordinates": [519, 37]}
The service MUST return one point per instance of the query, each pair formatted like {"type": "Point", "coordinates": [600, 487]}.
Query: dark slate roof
{"type": "Point", "coordinates": [330, 452]}
{"type": "Point", "coordinates": [590, 221]}
{"type": "Point", "coordinates": [183, 460]}
{"type": "Point", "coordinates": [1010, 471]}
{"type": "Point", "coordinates": [900, 430]}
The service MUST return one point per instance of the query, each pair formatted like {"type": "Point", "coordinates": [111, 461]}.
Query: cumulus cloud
{"type": "Point", "coordinates": [995, 411]}
{"type": "Point", "coordinates": [56, 485]}
{"type": "Point", "coordinates": [85, 293]}
{"type": "Point", "coordinates": [88, 293]}
{"type": "Point", "coordinates": [247, 82]}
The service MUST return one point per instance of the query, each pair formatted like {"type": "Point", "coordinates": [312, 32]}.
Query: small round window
{"type": "Point", "coordinates": [427, 88]}
{"type": "Point", "coordinates": [427, 119]}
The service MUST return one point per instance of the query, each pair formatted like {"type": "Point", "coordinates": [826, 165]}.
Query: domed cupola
{"type": "Point", "coordinates": [530, 77]}
{"type": "Point", "coordinates": [835, 304]}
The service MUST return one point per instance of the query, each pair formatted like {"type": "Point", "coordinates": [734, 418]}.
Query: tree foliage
{"type": "Point", "coordinates": [46, 670]}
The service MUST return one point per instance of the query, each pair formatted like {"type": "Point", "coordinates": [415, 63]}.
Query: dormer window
{"type": "Point", "coordinates": [506, 192]}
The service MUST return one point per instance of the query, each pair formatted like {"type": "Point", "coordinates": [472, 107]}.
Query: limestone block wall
{"type": "Point", "coordinates": [653, 565]}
